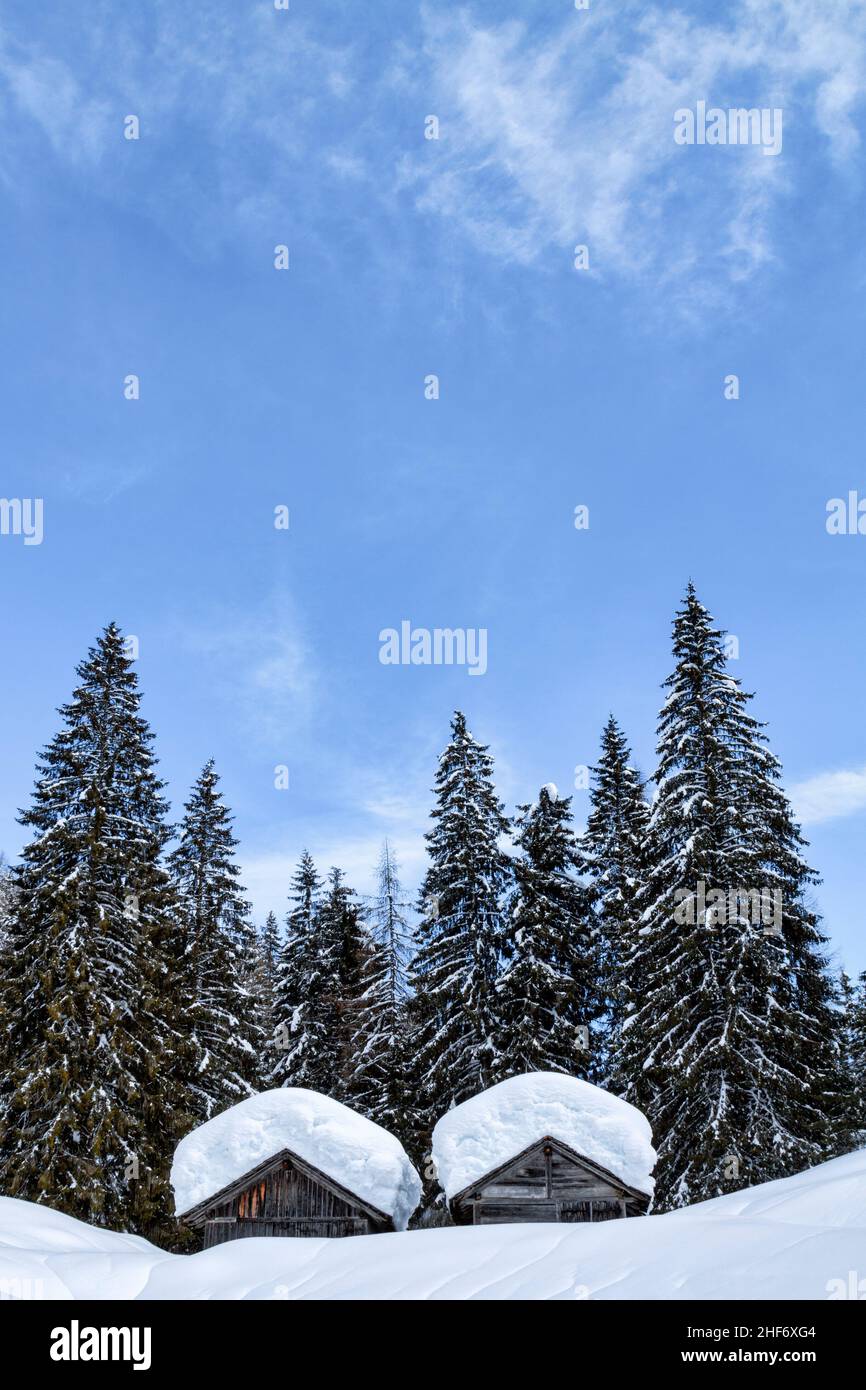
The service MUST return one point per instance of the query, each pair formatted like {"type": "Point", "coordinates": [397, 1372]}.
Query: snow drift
{"type": "Point", "coordinates": [495, 1126]}
{"type": "Point", "coordinates": [799, 1238]}
{"type": "Point", "coordinates": [338, 1141]}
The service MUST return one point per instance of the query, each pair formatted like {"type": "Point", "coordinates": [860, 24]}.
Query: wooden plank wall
{"type": "Point", "coordinates": [547, 1187]}
{"type": "Point", "coordinates": [284, 1203]}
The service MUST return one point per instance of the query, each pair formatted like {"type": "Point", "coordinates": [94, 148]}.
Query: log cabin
{"type": "Point", "coordinates": [291, 1162]}
{"type": "Point", "coordinates": [548, 1181]}
{"type": "Point", "coordinates": [544, 1146]}
{"type": "Point", "coordinates": [284, 1196]}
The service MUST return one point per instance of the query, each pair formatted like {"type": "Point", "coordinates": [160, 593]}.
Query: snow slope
{"type": "Point", "coordinates": [790, 1239]}
{"type": "Point", "coordinates": [496, 1125]}
{"type": "Point", "coordinates": [341, 1143]}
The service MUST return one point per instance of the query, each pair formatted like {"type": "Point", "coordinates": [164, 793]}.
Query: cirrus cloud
{"type": "Point", "coordinates": [564, 135]}
{"type": "Point", "coordinates": [829, 796]}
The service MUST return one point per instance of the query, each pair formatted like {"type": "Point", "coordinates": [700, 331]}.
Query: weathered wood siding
{"type": "Point", "coordinates": [494, 1213]}
{"type": "Point", "coordinates": [284, 1202]}
{"type": "Point", "coordinates": [545, 1185]}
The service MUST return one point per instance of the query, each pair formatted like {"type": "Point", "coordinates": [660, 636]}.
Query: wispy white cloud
{"type": "Point", "coordinates": [555, 137]}
{"type": "Point", "coordinates": [261, 663]}
{"type": "Point", "coordinates": [362, 804]}
{"type": "Point", "coordinates": [75, 123]}
{"type": "Point", "coordinates": [829, 796]}
{"type": "Point", "coordinates": [267, 876]}
{"type": "Point", "coordinates": [395, 807]}
{"type": "Point", "coordinates": [231, 107]}
{"type": "Point", "coordinates": [256, 123]}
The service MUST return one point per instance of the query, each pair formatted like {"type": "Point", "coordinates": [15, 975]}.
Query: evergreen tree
{"type": "Point", "coordinates": [614, 845]}
{"type": "Point", "coordinates": [306, 1038]}
{"type": "Point", "coordinates": [7, 903]}
{"type": "Point", "coordinates": [381, 1085]}
{"type": "Point", "coordinates": [269, 952]}
{"type": "Point", "coordinates": [549, 995]}
{"type": "Point", "coordinates": [296, 950]}
{"type": "Point", "coordinates": [89, 1113]}
{"type": "Point", "coordinates": [344, 949]}
{"type": "Point", "coordinates": [728, 1044]}
{"type": "Point", "coordinates": [7, 910]}
{"type": "Point", "coordinates": [219, 954]}
{"type": "Point", "coordinates": [461, 932]}
{"type": "Point", "coordinates": [852, 1128]}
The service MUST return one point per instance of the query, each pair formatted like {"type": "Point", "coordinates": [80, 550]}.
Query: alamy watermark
{"type": "Point", "coordinates": [736, 126]}
{"type": "Point", "coordinates": [719, 907]}
{"type": "Point", "coordinates": [77, 1343]}
{"type": "Point", "coordinates": [17, 1290]}
{"type": "Point", "coordinates": [846, 516]}
{"type": "Point", "coordinates": [22, 516]}
{"type": "Point", "coordinates": [853, 1287]}
{"type": "Point", "coordinates": [438, 646]}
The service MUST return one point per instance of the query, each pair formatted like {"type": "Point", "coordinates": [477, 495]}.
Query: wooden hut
{"type": "Point", "coordinates": [544, 1146]}
{"type": "Point", "coordinates": [284, 1196]}
{"type": "Point", "coordinates": [548, 1181]}
{"type": "Point", "coordinates": [291, 1162]}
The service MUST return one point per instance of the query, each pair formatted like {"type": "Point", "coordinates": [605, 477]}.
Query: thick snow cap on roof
{"type": "Point", "coordinates": [342, 1144]}
{"type": "Point", "coordinates": [485, 1132]}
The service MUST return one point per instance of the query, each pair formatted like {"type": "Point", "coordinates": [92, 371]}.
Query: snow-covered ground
{"type": "Point", "coordinates": [800, 1238]}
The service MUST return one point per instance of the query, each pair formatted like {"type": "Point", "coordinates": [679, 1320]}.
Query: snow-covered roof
{"type": "Point", "coordinates": [487, 1131]}
{"type": "Point", "coordinates": [342, 1144]}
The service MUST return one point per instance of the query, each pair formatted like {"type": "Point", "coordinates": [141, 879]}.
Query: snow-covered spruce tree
{"type": "Point", "coordinates": [614, 845]}
{"type": "Point", "coordinates": [549, 997]}
{"type": "Point", "coordinates": [319, 986]}
{"type": "Point", "coordinates": [729, 1043]}
{"type": "Point", "coordinates": [7, 908]}
{"type": "Point", "coordinates": [381, 1085]}
{"type": "Point", "coordinates": [858, 1053]}
{"type": "Point", "coordinates": [852, 1126]}
{"type": "Point", "coordinates": [292, 1043]}
{"type": "Point", "coordinates": [460, 935]}
{"type": "Point", "coordinates": [7, 901]}
{"type": "Point", "coordinates": [219, 954]}
{"type": "Point", "coordinates": [90, 1109]}
{"type": "Point", "coordinates": [269, 952]}
{"type": "Point", "coordinates": [344, 942]}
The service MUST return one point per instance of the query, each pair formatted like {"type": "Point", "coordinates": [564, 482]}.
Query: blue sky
{"type": "Point", "coordinates": [558, 387]}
